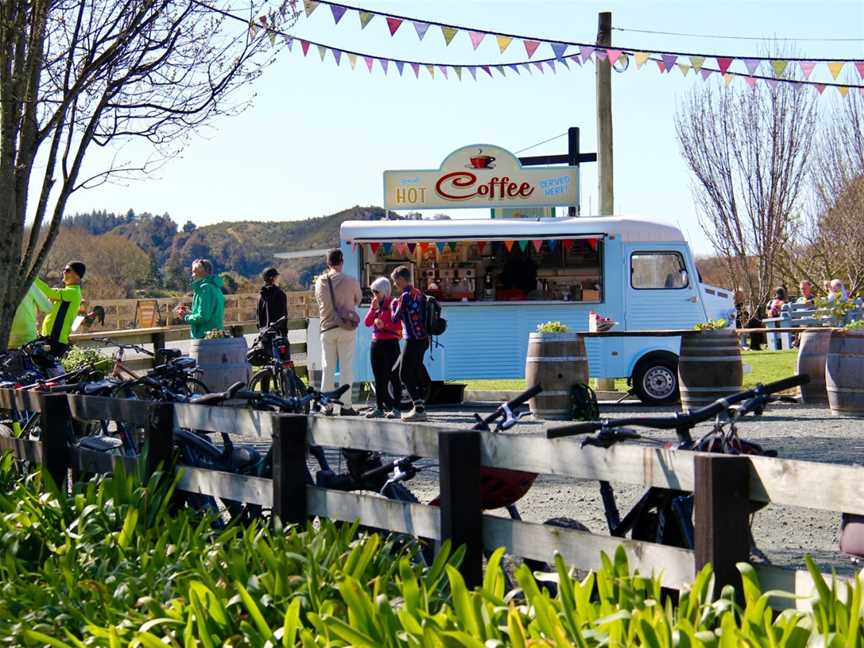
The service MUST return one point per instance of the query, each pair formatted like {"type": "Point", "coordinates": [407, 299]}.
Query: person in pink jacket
{"type": "Point", "coordinates": [385, 350]}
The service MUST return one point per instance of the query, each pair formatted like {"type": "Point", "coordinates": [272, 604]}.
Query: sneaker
{"type": "Point", "coordinates": [375, 413]}
{"type": "Point", "coordinates": [392, 414]}
{"type": "Point", "coordinates": [348, 411]}
{"type": "Point", "coordinates": [416, 414]}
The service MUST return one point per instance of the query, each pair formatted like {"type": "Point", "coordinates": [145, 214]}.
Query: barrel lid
{"type": "Point", "coordinates": [556, 337]}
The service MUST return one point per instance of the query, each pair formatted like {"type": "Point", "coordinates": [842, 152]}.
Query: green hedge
{"type": "Point", "coordinates": [111, 565]}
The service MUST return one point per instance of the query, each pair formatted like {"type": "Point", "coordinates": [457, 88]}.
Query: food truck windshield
{"type": "Point", "coordinates": [469, 270]}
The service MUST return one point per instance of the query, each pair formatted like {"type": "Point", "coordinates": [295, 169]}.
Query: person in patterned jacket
{"type": "Point", "coordinates": [410, 309]}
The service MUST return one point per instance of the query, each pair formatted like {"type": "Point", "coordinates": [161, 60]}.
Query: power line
{"type": "Point", "coordinates": [756, 38]}
{"type": "Point", "coordinates": [546, 141]}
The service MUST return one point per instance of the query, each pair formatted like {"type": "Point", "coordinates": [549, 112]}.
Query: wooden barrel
{"type": "Point", "coordinates": [812, 352]}
{"type": "Point", "coordinates": [556, 361]}
{"type": "Point", "coordinates": [222, 361]}
{"type": "Point", "coordinates": [709, 367]}
{"type": "Point", "coordinates": [844, 372]}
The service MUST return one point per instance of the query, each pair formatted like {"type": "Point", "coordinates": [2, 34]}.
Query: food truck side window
{"type": "Point", "coordinates": [658, 271]}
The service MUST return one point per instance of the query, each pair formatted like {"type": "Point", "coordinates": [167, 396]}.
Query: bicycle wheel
{"type": "Point", "coordinates": [263, 381]}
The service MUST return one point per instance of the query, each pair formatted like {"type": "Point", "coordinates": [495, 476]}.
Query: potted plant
{"type": "Point", "coordinates": [556, 360]}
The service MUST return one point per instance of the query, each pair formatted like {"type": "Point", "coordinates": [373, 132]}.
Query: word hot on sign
{"type": "Point", "coordinates": [481, 176]}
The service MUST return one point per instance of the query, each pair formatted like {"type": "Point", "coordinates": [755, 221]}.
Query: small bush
{"type": "Point", "coordinates": [78, 357]}
{"type": "Point", "coordinates": [714, 325]}
{"type": "Point", "coordinates": [553, 327]}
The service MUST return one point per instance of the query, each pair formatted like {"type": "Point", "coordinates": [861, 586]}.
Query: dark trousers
{"type": "Point", "coordinates": [412, 368]}
{"type": "Point", "coordinates": [384, 354]}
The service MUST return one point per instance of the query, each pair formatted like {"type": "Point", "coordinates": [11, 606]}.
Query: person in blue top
{"type": "Point", "coordinates": [208, 302]}
{"type": "Point", "coordinates": [410, 309]}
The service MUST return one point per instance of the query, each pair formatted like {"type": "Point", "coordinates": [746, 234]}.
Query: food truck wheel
{"type": "Point", "coordinates": [655, 379]}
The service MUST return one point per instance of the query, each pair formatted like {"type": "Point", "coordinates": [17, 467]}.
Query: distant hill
{"type": "Point", "coordinates": [241, 247]}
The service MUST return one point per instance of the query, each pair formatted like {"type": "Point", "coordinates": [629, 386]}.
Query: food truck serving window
{"type": "Point", "coordinates": [493, 271]}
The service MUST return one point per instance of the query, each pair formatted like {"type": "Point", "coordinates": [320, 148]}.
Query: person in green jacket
{"type": "Point", "coordinates": [65, 302]}
{"type": "Point", "coordinates": [24, 328]}
{"type": "Point", "coordinates": [208, 302]}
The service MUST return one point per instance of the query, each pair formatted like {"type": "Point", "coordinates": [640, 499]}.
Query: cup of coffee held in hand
{"type": "Point", "coordinates": [481, 161]}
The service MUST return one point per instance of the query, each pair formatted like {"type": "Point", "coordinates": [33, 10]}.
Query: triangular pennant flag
{"type": "Point", "coordinates": [567, 244]}
{"type": "Point", "coordinates": [563, 62]}
{"type": "Point", "coordinates": [305, 46]}
{"type": "Point", "coordinates": [723, 62]}
{"type": "Point", "coordinates": [660, 66]}
{"type": "Point", "coordinates": [697, 62]}
{"type": "Point", "coordinates": [538, 65]}
{"type": "Point", "coordinates": [820, 88]}
{"type": "Point", "coordinates": [400, 247]}
{"type": "Point", "coordinates": [386, 248]}
{"type": "Point", "coordinates": [365, 17]}
{"type": "Point", "coordinates": [480, 246]}
{"type": "Point", "coordinates": [552, 243]}
{"type": "Point", "coordinates": [486, 69]}
{"type": "Point", "coordinates": [374, 247]}
{"type": "Point", "coordinates": [752, 65]}
{"type": "Point", "coordinates": [443, 69]}
{"type": "Point", "coordinates": [476, 38]}
{"type": "Point", "coordinates": [523, 245]}
{"type": "Point", "coordinates": [508, 245]}
{"type": "Point", "coordinates": [705, 72]}
{"type": "Point", "coordinates": [385, 63]}
{"type": "Point", "coordinates": [514, 67]}
{"type": "Point", "coordinates": [337, 55]}
{"type": "Point", "coordinates": [412, 247]}
{"type": "Point", "coordinates": [558, 49]}
{"type": "Point", "coordinates": [440, 245]}
{"type": "Point", "coordinates": [452, 245]}
{"type": "Point", "coordinates": [806, 67]}
{"type": "Point", "coordinates": [614, 55]}
{"type": "Point", "coordinates": [537, 243]}
{"type": "Point", "coordinates": [859, 65]}
{"type": "Point", "coordinates": [551, 64]}
{"type": "Point", "coordinates": [727, 78]}
{"type": "Point", "coordinates": [530, 47]}
{"type": "Point", "coordinates": [448, 33]}
{"type": "Point", "coordinates": [352, 59]}
{"type": "Point", "coordinates": [592, 243]}
{"type": "Point", "coordinates": [289, 42]}
{"type": "Point", "coordinates": [399, 66]}
{"type": "Point", "coordinates": [503, 42]}
{"type": "Point", "coordinates": [684, 68]}
{"type": "Point", "coordinates": [338, 12]}
{"type": "Point", "coordinates": [500, 70]}
{"type": "Point", "coordinates": [843, 90]}
{"type": "Point", "coordinates": [640, 57]}
{"type": "Point", "coordinates": [458, 70]}
{"type": "Point", "coordinates": [601, 54]}
{"type": "Point", "coordinates": [779, 66]}
{"type": "Point", "coordinates": [416, 68]}
{"type": "Point", "coordinates": [421, 28]}
{"type": "Point", "coordinates": [576, 58]}
{"type": "Point", "coordinates": [393, 24]}
{"type": "Point", "coordinates": [586, 51]}
{"type": "Point", "coordinates": [750, 81]}
{"type": "Point", "coordinates": [369, 62]}
{"type": "Point", "coordinates": [431, 70]}
{"type": "Point", "coordinates": [669, 60]}
{"type": "Point", "coordinates": [473, 70]}
{"type": "Point", "coordinates": [773, 83]}
{"type": "Point", "coordinates": [322, 51]}
{"type": "Point", "coordinates": [836, 69]}
{"type": "Point", "coordinates": [310, 6]}
{"type": "Point", "coordinates": [424, 246]}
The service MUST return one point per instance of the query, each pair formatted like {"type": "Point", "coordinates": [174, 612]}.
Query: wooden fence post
{"type": "Point", "coordinates": [55, 457]}
{"type": "Point", "coordinates": [461, 513]}
{"type": "Point", "coordinates": [160, 440]}
{"type": "Point", "coordinates": [289, 468]}
{"type": "Point", "coordinates": [722, 516]}
{"type": "Point", "coordinates": [158, 342]}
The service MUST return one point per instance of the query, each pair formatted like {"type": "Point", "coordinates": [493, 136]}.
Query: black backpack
{"type": "Point", "coordinates": [583, 403]}
{"type": "Point", "coordinates": [435, 324]}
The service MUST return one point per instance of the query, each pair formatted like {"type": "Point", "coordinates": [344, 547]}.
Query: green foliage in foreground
{"type": "Point", "coordinates": [109, 566]}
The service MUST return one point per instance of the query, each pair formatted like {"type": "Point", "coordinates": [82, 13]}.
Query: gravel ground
{"type": "Point", "coordinates": [783, 533]}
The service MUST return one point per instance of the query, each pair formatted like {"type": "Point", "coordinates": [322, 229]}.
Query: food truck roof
{"type": "Point", "coordinates": [627, 229]}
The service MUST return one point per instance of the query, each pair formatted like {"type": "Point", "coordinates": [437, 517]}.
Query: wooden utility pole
{"type": "Point", "coordinates": [606, 193]}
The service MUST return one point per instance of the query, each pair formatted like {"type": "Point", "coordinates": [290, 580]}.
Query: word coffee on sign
{"type": "Point", "coordinates": [481, 176]}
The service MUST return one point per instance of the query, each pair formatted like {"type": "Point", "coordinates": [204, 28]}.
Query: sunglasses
{"type": "Point", "coordinates": [65, 270]}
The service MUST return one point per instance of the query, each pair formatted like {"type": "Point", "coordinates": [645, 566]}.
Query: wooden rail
{"type": "Point", "coordinates": [722, 484]}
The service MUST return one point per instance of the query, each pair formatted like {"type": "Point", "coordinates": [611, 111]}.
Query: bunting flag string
{"type": "Point", "coordinates": [666, 61]}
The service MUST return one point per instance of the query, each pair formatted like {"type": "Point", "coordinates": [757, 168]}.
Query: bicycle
{"type": "Point", "coordinates": [272, 350]}
{"type": "Point", "coordinates": [662, 515]}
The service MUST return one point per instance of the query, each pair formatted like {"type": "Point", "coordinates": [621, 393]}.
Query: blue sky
{"type": "Point", "coordinates": [318, 136]}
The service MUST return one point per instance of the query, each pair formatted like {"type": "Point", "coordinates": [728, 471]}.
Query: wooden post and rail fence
{"type": "Point", "coordinates": [723, 485]}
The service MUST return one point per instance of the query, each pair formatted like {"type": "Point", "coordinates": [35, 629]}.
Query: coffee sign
{"type": "Point", "coordinates": [481, 176]}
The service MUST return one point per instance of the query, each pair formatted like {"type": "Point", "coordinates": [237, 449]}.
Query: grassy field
{"type": "Point", "coordinates": [766, 366]}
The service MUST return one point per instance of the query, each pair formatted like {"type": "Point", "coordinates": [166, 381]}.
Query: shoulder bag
{"type": "Point", "coordinates": [347, 318]}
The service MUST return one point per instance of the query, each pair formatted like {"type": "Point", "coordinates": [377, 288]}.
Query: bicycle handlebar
{"type": "Point", "coordinates": [680, 419]}
{"type": "Point", "coordinates": [385, 469]}
{"type": "Point", "coordinates": [119, 345]}
{"type": "Point", "coordinates": [520, 400]}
